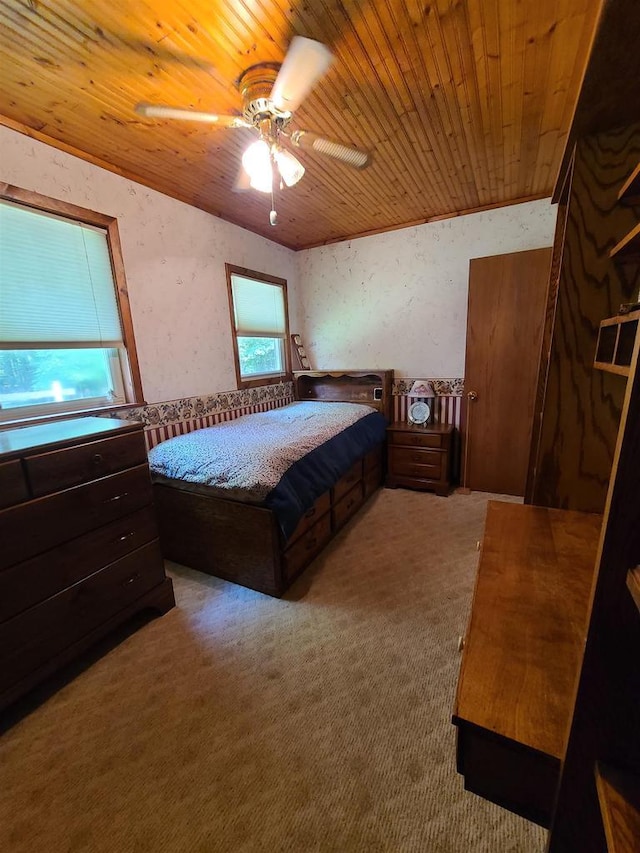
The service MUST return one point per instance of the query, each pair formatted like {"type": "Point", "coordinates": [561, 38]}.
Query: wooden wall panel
{"type": "Point", "coordinates": [582, 406]}
{"type": "Point", "coordinates": [547, 338]}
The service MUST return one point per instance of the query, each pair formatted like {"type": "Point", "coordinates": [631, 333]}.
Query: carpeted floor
{"type": "Point", "coordinates": [237, 722]}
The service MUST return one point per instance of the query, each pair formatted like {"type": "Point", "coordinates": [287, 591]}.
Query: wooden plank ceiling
{"type": "Point", "coordinates": [464, 104]}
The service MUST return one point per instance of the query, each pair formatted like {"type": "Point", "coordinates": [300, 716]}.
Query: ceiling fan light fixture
{"type": "Point", "coordinates": [289, 167]}
{"type": "Point", "coordinates": [257, 163]}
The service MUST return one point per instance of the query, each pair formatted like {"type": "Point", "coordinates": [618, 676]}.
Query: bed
{"type": "Point", "coordinates": [259, 519]}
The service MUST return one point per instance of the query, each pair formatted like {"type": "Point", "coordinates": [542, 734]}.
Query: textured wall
{"type": "Point", "coordinates": [393, 300]}
{"type": "Point", "coordinates": [399, 299]}
{"type": "Point", "coordinates": [174, 258]}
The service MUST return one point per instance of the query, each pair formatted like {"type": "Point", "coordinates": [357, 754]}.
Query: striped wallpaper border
{"type": "Point", "coordinates": [155, 434]}
{"type": "Point", "coordinates": [178, 417]}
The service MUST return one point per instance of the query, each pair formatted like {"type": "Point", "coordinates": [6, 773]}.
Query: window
{"type": "Point", "coordinates": [66, 338]}
{"type": "Point", "coordinates": [260, 326]}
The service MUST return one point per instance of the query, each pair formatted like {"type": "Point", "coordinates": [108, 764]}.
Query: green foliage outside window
{"type": "Point", "coordinates": [259, 355]}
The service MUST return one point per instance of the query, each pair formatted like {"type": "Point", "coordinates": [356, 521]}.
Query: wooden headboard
{"type": "Point", "coordinates": [372, 387]}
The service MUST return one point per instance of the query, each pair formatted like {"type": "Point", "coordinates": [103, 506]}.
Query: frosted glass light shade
{"type": "Point", "coordinates": [257, 162]}
{"type": "Point", "coordinates": [289, 167]}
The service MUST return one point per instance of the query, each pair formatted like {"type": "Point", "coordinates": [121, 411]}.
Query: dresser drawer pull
{"type": "Point", "coordinates": [126, 536]}
{"type": "Point", "coordinates": [310, 512]}
{"type": "Point", "coordinates": [97, 459]}
{"type": "Point", "coordinates": [130, 580]}
{"type": "Point", "coordinates": [311, 544]}
{"type": "Point", "coordinates": [115, 498]}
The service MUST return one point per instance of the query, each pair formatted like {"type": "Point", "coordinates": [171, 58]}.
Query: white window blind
{"type": "Point", "coordinates": [56, 282]}
{"type": "Point", "coordinates": [258, 308]}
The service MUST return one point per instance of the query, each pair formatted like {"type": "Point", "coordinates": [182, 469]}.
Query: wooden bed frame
{"type": "Point", "coordinates": [242, 542]}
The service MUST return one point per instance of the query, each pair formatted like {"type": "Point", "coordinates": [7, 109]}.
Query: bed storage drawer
{"type": "Point", "coordinates": [32, 638]}
{"type": "Point", "coordinates": [347, 506]}
{"type": "Point", "coordinates": [372, 480]}
{"type": "Point", "coordinates": [348, 481]}
{"type": "Point", "coordinates": [36, 526]}
{"type": "Point", "coordinates": [373, 459]}
{"type": "Point", "coordinates": [320, 507]}
{"type": "Point", "coordinates": [51, 472]}
{"type": "Point", "coordinates": [29, 582]}
{"type": "Point", "coordinates": [306, 547]}
{"type": "Point", "coordinates": [13, 487]}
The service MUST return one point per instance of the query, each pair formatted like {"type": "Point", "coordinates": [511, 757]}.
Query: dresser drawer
{"type": "Point", "coordinates": [416, 439]}
{"type": "Point", "coordinates": [54, 471]}
{"type": "Point", "coordinates": [322, 505]}
{"type": "Point", "coordinates": [36, 526]}
{"type": "Point", "coordinates": [29, 640]}
{"type": "Point", "coordinates": [306, 547]}
{"type": "Point", "coordinates": [348, 481]}
{"type": "Point", "coordinates": [13, 487]}
{"type": "Point", "coordinates": [25, 584]}
{"type": "Point", "coordinates": [348, 506]}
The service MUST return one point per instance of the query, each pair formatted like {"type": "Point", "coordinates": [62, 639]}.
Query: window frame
{"type": "Point", "coordinates": [267, 378]}
{"type": "Point", "coordinates": [132, 382]}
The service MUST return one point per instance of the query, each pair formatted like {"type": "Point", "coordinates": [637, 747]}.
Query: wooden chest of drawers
{"type": "Point", "coordinates": [419, 457]}
{"type": "Point", "coordinates": [80, 550]}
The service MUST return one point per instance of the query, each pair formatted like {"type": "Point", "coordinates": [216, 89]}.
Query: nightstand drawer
{"type": "Point", "coordinates": [415, 463]}
{"type": "Point", "coordinates": [408, 456]}
{"type": "Point", "coordinates": [416, 439]}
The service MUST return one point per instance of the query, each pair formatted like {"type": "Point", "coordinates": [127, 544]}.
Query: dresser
{"type": "Point", "coordinates": [419, 457]}
{"type": "Point", "coordinates": [79, 549]}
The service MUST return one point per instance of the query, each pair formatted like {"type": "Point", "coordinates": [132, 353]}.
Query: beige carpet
{"type": "Point", "coordinates": [238, 722]}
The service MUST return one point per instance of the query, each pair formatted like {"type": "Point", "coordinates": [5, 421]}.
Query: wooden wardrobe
{"type": "Point", "coordinates": [585, 452]}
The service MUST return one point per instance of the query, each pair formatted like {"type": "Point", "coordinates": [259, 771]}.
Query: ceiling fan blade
{"type": "Point", "coordinates": [312, 142]}
{"type": "Point", "coordinates": [306, 61]}
{"type": "Point", "coordinates": [162, 111]}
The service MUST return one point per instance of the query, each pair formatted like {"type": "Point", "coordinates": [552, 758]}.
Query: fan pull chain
{"type": "Point", "coordinates": [273, 213]}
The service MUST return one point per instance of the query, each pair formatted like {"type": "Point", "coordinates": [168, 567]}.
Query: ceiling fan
{"type": "Point", "coordinates": [270, 95]}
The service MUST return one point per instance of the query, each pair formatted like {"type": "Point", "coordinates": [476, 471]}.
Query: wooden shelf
{"type": "Point", "coordinates": [630, 192]}
{"type": "Point", "coordinates": [633, 584]}
{"type": "Point", "coordinates": [628, 249]}
{"type": "Point", "coordinates": [619, 796]}
{"type": "Point", "coordinates": [616, 341]}
{"type": "Point", "coordinates": [372, 387]}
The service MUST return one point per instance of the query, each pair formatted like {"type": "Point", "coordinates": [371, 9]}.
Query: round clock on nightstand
{"type": "Point", "coordinates": [419, 413]}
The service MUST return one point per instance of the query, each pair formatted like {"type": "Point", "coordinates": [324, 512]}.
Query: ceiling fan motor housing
{"type": "Point", "coordinates": [255, 85]}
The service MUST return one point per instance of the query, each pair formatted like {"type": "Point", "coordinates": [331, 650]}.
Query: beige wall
{"type": "Point", "coordinates": [174, 258]}
{"type": "Point", "coordinates": [392, 300]}
{"type": "Point", "coordinates": [399, 299]}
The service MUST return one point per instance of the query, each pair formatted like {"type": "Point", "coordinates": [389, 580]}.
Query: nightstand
{"type": "Point", "coordinates": [419, 457]}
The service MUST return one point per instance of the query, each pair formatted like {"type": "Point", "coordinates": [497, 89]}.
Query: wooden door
{"type": "Point", "coordinates": [507, 298]}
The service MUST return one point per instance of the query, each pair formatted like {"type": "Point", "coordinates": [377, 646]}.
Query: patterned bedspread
{"type": "Point", "coordinates": [284, 458]}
